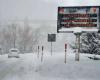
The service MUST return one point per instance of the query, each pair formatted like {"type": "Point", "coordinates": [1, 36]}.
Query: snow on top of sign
{"type": "Point", "coordinates": [90, 29]}
{"type": "Point", "coordinates": [75, 29]}
{"type": "Point", "coordinates": [78, 29]}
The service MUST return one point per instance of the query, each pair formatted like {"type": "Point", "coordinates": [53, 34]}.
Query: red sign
{"type": "Point", "coordinates": [65, 46]}
{"type": "Point", "coordinates": [61, 10]}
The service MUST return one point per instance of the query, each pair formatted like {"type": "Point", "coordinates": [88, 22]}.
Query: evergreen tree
{"type": "Point", "coordinates": [90, 43]}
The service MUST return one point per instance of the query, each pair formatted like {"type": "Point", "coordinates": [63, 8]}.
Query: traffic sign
{"type": "Point", "coordinates": [51, 37]}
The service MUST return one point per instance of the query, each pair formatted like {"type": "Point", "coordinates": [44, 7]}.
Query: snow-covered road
{"type": "Point", "coordinates": [29, 67]}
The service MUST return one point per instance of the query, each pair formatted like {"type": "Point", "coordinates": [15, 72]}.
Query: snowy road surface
{"type": "Point", "coordinates": [29, 67]}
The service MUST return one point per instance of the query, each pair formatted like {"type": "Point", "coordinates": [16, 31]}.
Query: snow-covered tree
{"type": "Point", "coordinates": [90, 43]}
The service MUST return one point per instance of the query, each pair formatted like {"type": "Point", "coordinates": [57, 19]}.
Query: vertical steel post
{"type": "Point", "coordinates": [51, 48]}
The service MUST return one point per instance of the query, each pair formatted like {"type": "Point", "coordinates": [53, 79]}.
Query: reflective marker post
{"type": "Point", "coordinates": [42, 54]}
{"type": "Point", "coordinates": [38, 52]}
{"type": "Point", "coordinates": [65, 52]}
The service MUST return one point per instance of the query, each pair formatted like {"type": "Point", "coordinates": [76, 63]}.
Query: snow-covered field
{"type": "Point", "coordinates": [30, 67]}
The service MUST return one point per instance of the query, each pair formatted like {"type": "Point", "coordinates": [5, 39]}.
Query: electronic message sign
{"type": "Point", "coordinates": [85, 17]}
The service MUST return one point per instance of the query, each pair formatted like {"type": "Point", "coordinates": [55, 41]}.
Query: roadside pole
{"type": "Point", "coordinates": [65, 53]}
{"type": "Point", "coordinates": [42, 54]}
{"type": "Point", "coordinates": [51, 48]}
{"type": "Point", "coordinates": [38, 52]}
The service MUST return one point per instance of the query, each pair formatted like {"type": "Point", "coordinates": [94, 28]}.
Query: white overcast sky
{"type": "Point", "coordinates": [37, 9]}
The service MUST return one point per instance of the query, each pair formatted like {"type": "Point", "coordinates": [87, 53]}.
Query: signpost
{"type": "Point", "coordinates": [65, 52]}
{"type": "Point", "coordinates": [78, 19]}
{"type": "Point", "coordinates": [51, 38]}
